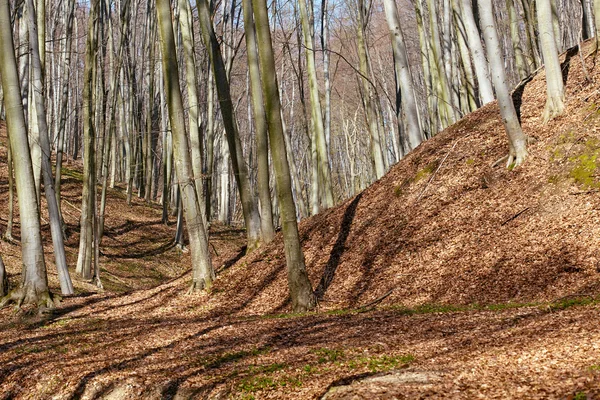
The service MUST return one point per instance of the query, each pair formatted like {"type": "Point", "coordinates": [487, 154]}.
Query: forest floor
{"type": "Point", "coordinates": [450, 277]}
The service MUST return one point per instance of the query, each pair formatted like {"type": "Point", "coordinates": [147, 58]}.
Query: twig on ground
{"type": "Point", "coordinates": [436, 171]}
{"type": "Point", "coordinates": [514, 216]}
{"type": "Point", "coordinates": [376, 301]}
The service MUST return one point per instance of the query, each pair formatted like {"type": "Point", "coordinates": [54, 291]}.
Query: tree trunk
{"type": "Point", "coordinates": [84, 259]}
{"type": "Point", "coordinates": [260, 123]}
{"type": "Point", "coordinates": [318, 130]}
{"type": "Point", "coordinates": [38, 96]}
{"type": "Point", "coordinates": [301, 292]}
{"type": "Point", "coordinates": [187, 35]}
{"type": "Point", "coordinates": [555, 92]}
{"type": "Point", "coordinates": [34, 285]}
{"type": "Point", "coordinates": [11, 195]}
{"type": "Point", "coordinates": [250, 209]}
{"type": "Point", "coordinates": [517, 141]}
{"type": "Point", "coordinates": [202, 270]}
{"type": "Point", "coordinates": [406, 103]}
{"type": "Point", "coordinates": [368, 94]}
{"type": "Point", "coordinates": [64, 99]}
{"type": "Point", "coordinates": [480, 63]}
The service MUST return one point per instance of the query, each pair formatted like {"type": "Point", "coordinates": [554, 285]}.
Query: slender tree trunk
{"type": "Point", "coordinates": [187, 35]}
{"type": "Point", "coordinates": [480, 63]}
{"type": "Point", "coordinates": [202, 270]}
{"type": "Point", "coordinates": [38, 96]}
{"type": "Point", "coordinates": [406, 103]}
{"type": "Point", "coordinates": [34, 285]}
{"type": "Point", "coordinates": [250, 208]}
{"type": "Point", "coordinates": [517, 141]}
{"type": "Point", "coordinates": [210, 142]}
{"type": "Point", "coordinates": [301, 292]}
{"type": "Point", "coordinates": [555, 92]}
{"type": "Point", "coordinates": [318, 130]}
{"type": "Point", "coordinates": [70, 12]}
{"type": "Point", "coordinates": [86, 251]}
{"type": "Point", "coordinates": [368, 94]}
{"type": "Point", "coordinates": [11, 196]}
{"type": "Point", "coordinates": [260, 123]}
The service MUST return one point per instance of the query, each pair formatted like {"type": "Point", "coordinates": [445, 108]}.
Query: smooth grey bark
{"type": "Point", "coordinates": [555, 91]}
{"type": "Point", "coordinates": [369, 98]}
{"type": "Point", "coordinates": [597, 20]}
{"type": "Point", "coordinates": [34, 283]}
{"type": "Point", "coordinates": [318, 140]}
{"type": "Point", "coordinates": [195, 135]}
{"type": "Point", "coordinates": [11, 196]}
{"type": "Point", "coordinates": [442, 84]}
{"type": "Point", "coordinates": [260, 124]}
{"type": "Point", "coordinates": [517, 141]}
{"type": "Point", "coordinates": [64, 98]}
{"type": "Point", "coordinates": [406, 104]}
{"type": "Point", "coordinates": [202, 270]}
{"type": "Point", "coordinates": [301, 293]}
{"type": "Point", "coordinates": [465, 57]}
{"type": "Point", "coordinates": [240, 170]}
{"type": "Point", "coordinates": [86, 247]}
{"type": "Point", "coordinates": [479, 61]}
{"type": "Point", "coordinates": [38, 96]}
{"type": "Point", "coordinates": [515, 36]}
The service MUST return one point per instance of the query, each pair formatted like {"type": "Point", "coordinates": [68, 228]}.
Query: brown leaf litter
{"type": "Point", "coordinates": [448, 278]}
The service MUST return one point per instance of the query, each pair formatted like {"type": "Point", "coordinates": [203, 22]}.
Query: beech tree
{"type": "Point", "coordinates": [202, 270]}
{"type": "Point", "coordinates": [34, 281]}
{"type": "Point", "coordinates": [301, 293]}
{"type": "Point", "coordinates": [517, 141]}
{"type": "Point", "coordinates": [406, 103]}
{"type": "Point", "coordinates": [555, 96]}
{"type": "Point", "coordinates": [38, 96]}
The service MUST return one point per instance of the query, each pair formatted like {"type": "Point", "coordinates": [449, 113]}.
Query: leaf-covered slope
{"type": "Point", "coordinates": [446, 225]}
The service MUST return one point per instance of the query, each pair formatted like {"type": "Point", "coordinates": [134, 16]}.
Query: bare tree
{"type": "Point", "coordinates": [202, 270]}
{"type": "Point", "coordinates": [301, 292]}
{"type": "Point", "coordinates": [517, 141]}
{"type": "Point", "coordinates": [555, 92]}
{"type": "Point", "coordinates": [34, 283]}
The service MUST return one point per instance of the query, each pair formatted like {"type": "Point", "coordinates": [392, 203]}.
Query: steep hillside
{"type": "Point", "coordinates": [449, 225]}
{"type": "Point", "coordinates": [451, 277]}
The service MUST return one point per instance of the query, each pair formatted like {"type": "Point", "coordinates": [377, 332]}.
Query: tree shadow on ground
{"type": "Point", "coordinates": [566, 65]}
{"type": "Point", "coordinates": [338, 248]}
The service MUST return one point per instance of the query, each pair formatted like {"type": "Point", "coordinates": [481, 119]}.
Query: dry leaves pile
{"type": "Point", "coordinates": [449, 278]}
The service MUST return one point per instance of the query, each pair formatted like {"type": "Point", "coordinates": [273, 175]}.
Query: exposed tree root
{"type": "Point", "coordinates": [197, 287]}
{"type": "Point", "coordinates": [28, 295]}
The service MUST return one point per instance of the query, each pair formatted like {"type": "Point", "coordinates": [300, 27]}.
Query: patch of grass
{"type": "Point", "coordinates": [72, 173]}
{"type": "Point", "coordinates": [580, 396]}
{"type": "Point", "coordinates": [426, 171]}
{"type": "Point", "coordinates": [386, 363]}
{"type": "Point", "coordinates": [398, 191]}
{"type": "Point", "coordinates": [569, 302]}
{"type": "Point", "coordinates": [236, 356]}
{"type": "Point", "coordinates": [470, 161]}
{"type": "Point", "coordinates": [268, 369]}
{"type": "Point", "coordinates": [328, 355]}
{"type": "Point", "coordinates": [506, 306]}
{"type": "Point", "coordinates": [584, 171]}
{"type": "Point", "coordinates": [585, 164]}
{"type": "Point", "coordinates": [430, 309]}
{"type": "Point", "coordinates": [259, 383]}
{"type": "Point", "coordinates": [553, 179]}
{"type": "Point", "coordinates": [594, 367]}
